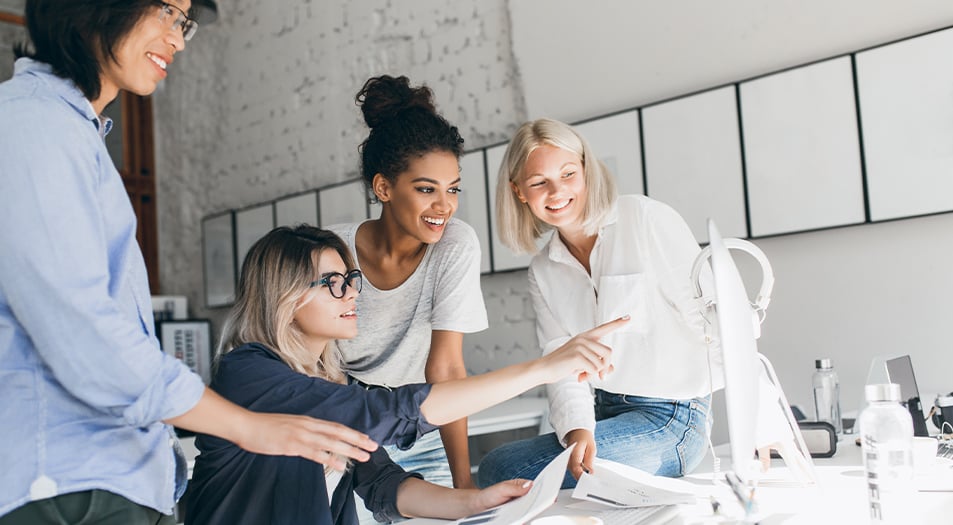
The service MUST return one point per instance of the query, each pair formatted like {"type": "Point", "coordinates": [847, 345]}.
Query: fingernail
{"type": "Point", "coordinates": [527, 484]}
{"type": "Point", "coordinates": [626, 317]}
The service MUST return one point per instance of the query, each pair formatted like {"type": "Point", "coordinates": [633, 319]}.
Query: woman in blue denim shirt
{"type": "Point", "coordinates": [296, 295]}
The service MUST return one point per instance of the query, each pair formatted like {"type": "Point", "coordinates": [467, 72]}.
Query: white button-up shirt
{"type": "Point", "coordinates": [641, 265]}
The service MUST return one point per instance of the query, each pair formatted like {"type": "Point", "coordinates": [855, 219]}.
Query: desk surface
{"type": "Point", "coordinates": [839, 497]}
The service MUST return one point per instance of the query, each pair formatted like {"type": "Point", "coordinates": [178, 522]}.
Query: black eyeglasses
{"type": "Point", "coordinates": [337, 283]}
{"type": "Point", "coordinates": [180, 20]}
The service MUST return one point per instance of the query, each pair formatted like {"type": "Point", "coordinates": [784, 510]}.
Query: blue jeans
{"type": "Point", "coordinates": [427, 457]}
{"type": "Point", "coordinates": [665, 437]}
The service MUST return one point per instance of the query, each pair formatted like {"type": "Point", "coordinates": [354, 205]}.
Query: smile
{"type": "Point", "coordinates": [349, 314]}
{"type": "Point", "coordinates": [559, 205]}
{"type": "Point", "coordinates": [158, 61]}
{"type": "Point", "coordinates": [435, 221]}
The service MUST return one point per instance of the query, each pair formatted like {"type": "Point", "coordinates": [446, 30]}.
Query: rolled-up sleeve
{"type": "Point", "coordinates": [376, 481]}
{"type": "Point", "coordinates": [73, 277]}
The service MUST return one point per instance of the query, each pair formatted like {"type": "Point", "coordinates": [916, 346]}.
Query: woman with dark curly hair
{"type": "Point", "coordinates": [421, 266]}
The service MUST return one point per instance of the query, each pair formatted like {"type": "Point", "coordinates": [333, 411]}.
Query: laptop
{"type": "Point", "coordinates": [900, 371]}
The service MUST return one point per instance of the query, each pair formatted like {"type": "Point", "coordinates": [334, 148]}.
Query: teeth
{"type": "Point", "coordinates": [159, 62]}
{"type": "Point", "coordinates": [349, 313]}
{"type": "Point", "coordinates": [435, 222]}
{"type": "Point", "coordinates": [558, 206]}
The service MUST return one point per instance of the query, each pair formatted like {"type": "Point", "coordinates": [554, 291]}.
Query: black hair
{"type": "Point", "coordinates": [76, 36]}
{"type": "Point", "coordinates": [404, 125]}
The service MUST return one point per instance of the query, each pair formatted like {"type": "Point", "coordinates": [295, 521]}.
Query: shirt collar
{"type": "Point", "coordinates": [558, 252]}
{"type": "Point", "coordinates": [66, 89]}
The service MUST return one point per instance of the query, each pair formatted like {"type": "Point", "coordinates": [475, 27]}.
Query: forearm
{"type": "Point", "coordinates": [417, 498]}
{"type": "Point", "coordinates": [452, 400]}
{"type": "Point", "coordinates": [214, 415]}
{"type": "Point", "coordinates": [456, 443]}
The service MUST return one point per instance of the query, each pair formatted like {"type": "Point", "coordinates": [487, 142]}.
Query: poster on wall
{"type": "Point", "coordinates": [905, 91]}
{"type": "Point", "coordinates": [297, 209]}
{"type": "Point", "coordinates": [343, 203]}
{"type": "Point", "coordinates": [802, 149]}
{"type": "Point", "coordinates": [472, 206]}
{"type": "Point", "coordinates": [251, 224]}
{"type": "Point", "coordinates": [708, 183]}
{"type": "Point", "coordinates": [218, 259]}
{"type": "Point", "coordinates": [190, 341]}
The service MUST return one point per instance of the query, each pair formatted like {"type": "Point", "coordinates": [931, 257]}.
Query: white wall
{"type": "Point", "coordinates": [261, 105]}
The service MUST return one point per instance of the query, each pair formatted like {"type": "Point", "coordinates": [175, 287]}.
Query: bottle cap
{"type": "Point", "coordinates": [882, 392]}
{"type": "Point", "coordinates": [822, 363]}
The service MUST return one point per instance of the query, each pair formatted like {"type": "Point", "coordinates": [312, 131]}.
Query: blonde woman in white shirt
{"type": "Point", "coordinates": [609, 256]}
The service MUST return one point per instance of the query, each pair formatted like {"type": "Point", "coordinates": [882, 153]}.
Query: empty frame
{"type": "Point", "coordinates": [615, 140]}
{"type": "Point", "coordinates": [343, 203]}
{"type": "Point", "coordinates": [251, 224]}
{"type": "Point", "coordinates": [693, 160]}
{"type": "Point", "coordinates": [218, 259]}
{"type": "Point", "coordinates": [298, 209]}
{"type": "Point", "coordinates": [801, 149]}
{"type": "Point", "coordinates": [906, 106]}
{"type": "Point", "coordinates": [472, 206]}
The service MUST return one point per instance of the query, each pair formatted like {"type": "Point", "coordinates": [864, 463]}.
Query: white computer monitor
{"type": "Point", "coordinates": [757, 411]}
{"type": "Point", "coordinates": [739, 354]}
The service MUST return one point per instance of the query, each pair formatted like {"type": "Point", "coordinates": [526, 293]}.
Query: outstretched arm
{"type": "Point", "coordinates": [582, 356]}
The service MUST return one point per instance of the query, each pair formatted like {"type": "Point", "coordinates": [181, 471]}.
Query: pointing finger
{"type": "Point", "coordinates": [607, 328]}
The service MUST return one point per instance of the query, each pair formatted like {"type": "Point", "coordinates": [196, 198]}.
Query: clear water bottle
{"type": "Point", "coordinates": [887, 439]}
{"type": "Point", "coordinates": [827, 394]}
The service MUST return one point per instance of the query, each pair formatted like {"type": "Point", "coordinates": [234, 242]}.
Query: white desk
{"type": "Point", "coordinates": [840, 497]}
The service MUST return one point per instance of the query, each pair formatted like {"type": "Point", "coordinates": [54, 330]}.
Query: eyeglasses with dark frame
{"type": "Point", "coordinates": [337, 283]}
{"type": "Point", "coordinates": [180, 20]}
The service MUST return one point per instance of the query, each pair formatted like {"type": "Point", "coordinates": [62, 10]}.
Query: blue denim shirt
{"type": "Point", "coordinates": [84, 386]}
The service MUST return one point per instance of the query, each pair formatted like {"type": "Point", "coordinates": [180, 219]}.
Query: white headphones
{"type": "Point", "coordinates": [760, 303]}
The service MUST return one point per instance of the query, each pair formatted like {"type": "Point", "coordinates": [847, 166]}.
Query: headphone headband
{"type": "Point", "coordinates": [761, 301]}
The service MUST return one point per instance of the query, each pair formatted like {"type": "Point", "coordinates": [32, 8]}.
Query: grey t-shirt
{"type": "Point", "coordinates": [394, 326]}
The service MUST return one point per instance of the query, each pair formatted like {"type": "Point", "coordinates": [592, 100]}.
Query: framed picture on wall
{"type": "Point", "coordinates": [615, 141]}
{"type": "Point", "coordinates": [472, 208]}
{"type": "Point", "coordinates": [297, 209]}
{"type": "Point", "coordinates": [904, 92]}
{"type": "Point", "coordinates": [189, 340]}
{"type": "Point", "coordinates": [218, 259]}
{"type": "Point", "coordinates": [251, 224]}
{"type": "Point", "coordinates": [346, 202]}
{"type": "Point", "coordinates": [802, 149]}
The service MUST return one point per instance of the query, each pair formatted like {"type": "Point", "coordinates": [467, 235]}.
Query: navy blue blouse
{"type": "Point", "coordinates": [232, 486]}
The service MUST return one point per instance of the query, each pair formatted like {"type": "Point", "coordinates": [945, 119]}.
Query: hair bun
{"type": "Point", "coordinates": [383, 98]}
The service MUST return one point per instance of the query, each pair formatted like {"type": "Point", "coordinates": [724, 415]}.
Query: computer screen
{"type": "Point", "coordinates": [739, 352]}
{"type": "Point", "coordinates": [758, 413]}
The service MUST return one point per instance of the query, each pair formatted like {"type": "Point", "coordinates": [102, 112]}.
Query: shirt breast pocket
{"type": "Point", "coordinates": [626, 294]}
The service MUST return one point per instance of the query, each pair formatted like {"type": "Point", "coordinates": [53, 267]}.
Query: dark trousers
{"type": "Point", "coordinates": [86, 508]}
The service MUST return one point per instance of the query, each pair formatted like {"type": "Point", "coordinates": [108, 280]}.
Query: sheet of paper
{"type": "Point", "coordinates": [616, 485]}
{"type": "Point", "coordinates": [543, 494]}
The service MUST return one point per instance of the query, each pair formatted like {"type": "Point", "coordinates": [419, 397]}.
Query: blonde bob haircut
{"type": "Point", "coordinates": [517, 227]}
{"type": "Point", "coordinates": [276, 274]}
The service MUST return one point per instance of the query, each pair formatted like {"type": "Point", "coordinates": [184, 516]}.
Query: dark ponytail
{"type": "Point", "coordinates": [404, 125]}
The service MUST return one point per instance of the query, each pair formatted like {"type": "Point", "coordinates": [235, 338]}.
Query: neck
{"type": "Point", "coordinates": [388, 239]}
{"type": "Point", "coordinates": [106, 95]}
{"type": "Point", "coordinates": [579, 244]}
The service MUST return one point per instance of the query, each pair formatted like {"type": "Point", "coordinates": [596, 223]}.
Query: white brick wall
{"type": "Point", "coordinates": [261, 105]}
